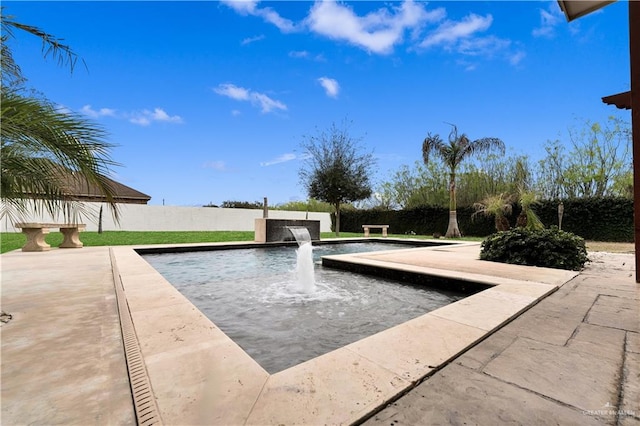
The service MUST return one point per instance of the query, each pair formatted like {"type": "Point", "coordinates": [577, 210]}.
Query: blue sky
{"type": "Point", "coordinates": [209, 101]}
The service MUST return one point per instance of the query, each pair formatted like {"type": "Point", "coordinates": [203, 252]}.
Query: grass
{"type": "Point", "coordinates": [12, 240]}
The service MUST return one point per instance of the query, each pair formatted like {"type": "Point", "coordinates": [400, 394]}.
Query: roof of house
{"type": "Point", "coordinates": [620, 100]}
{"type": "Point", "coordinates": [123, 194]}
{"type": "Point", "coordinates": [75, 186]}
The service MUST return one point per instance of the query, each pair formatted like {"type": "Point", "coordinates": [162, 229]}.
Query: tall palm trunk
{"type": "Point", "coordinates": [452, 230]}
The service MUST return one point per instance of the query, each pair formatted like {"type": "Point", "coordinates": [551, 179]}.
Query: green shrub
{"type": "Point", "coordinates": [551, 248]}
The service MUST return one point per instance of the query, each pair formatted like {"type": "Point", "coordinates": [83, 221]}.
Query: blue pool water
{"type": "Point", "coordinates": [254, 297]}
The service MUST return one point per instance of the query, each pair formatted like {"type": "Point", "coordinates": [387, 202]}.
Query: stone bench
{"type": "Point", "coordinates": [35, 233]}
{"type": "Point", "coordinates": [368, 227]}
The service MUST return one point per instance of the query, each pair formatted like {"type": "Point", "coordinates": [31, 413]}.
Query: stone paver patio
{"type": "Point", "coordinates": [572, 357]}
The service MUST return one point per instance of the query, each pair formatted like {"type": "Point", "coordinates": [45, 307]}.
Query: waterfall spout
{"type": "Point", "coordinates": [305, 274]}
{"type": "Point", "coordinates": [300, 233]}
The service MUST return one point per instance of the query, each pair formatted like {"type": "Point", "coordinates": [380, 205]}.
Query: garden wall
{"type": "Point", "coordinates": [137, 217]}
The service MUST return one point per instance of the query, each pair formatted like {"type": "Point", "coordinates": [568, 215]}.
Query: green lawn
{"type": "Point", "coordinates": [12, 241]}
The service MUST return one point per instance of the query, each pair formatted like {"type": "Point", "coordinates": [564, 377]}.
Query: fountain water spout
{"type": "Point", "coordinates": [305, 274]}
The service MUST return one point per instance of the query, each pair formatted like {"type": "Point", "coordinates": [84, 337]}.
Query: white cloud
{"type": "Point", "coordinates": [141, 118]}
{"type": "Point", "coordinates": [102, 112]}
{"type": "Point", "coordinates": [159, 114]}
{"type": "Point", "coordinates": [377, 31]}
{"type": "Point", "coordinates": [450, 32]}
{"type": "Point", "coordinates": [269, 15]}
{"type": "Point", "coordinates": [215, 165]}
{"type": "Point", "coordinates": [232, 91]}
{"type": "Point", "coordinates": [235, 112]}
{"type": "Point", "coordinates": [549, 19]}
{"type": "Point", "coordinates": [264, 102]}
{"type": "Point", "coordinates": [468, 66]}
{"type": "Point", "coordinates": [463, 37]}
{"type": "Point", "coordinates": [281, 159]}
{"type": "Point", "coordinates": [303, 54]}
{"type": "Point", "coordinates": [299, 54]}
{"type": "Point", "coordinates": [331, 86]}
{"type": "Point", "coordinates": [250, 40]}
{"type": "Point", "coordinates": [146, 117]}
{"type": "Point", "coordinates": [250, 7]}
{"type": "Point", "coordinates": [381, 30]}
{"type": "Point", "coordinates": [517, 57]}
{"type": "Point", "coordinates": [244, 7]}
{"type": "Point", "coordinates": [483, 46]}
{"type": "Point", "coordinates": [63, 109]}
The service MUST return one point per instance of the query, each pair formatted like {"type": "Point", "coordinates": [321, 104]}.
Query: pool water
{"type": "Point", "coordinates": [254, 297]}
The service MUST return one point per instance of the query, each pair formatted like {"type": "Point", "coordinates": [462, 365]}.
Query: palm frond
{"type": "Point", "coordinates": [485, 145]}
{"type": "Point", "coordinates": [495, 205]}
{"type": "Point", "coordinates": [41, 147]}
{"type": "Point", "coordinates": [432, 144]}
{"type": "Point", "coordinates": [51, 45]}
{"type": "Point", "coordinates": [533, 221]}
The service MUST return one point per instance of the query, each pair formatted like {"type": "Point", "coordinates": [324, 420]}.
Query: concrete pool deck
{"type": "Point", "coordinates": [573, 356]}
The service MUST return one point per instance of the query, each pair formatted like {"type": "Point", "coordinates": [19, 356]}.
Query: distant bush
{"type": "Point", "coordinates": [310, 205]}
{"type": "Point", "coordinates": [551, 248]}
{"type": "Point", "coordinates": [242, 205]}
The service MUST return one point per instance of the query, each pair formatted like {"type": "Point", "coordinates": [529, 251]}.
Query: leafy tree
{"type": "Point", "coordinates": [600, 154]}
{"type": "Point", "coordinates": [550, 178]}
{"type": "Point", "coordinates": [459, 148]}
{"type": "Point", "coordinates": [489, 174]}
{"type": "Point", "coordinates": [336, 171]}
{"type": "Point", "coordinates": [492, 174]}
{"type": "Point", "coordinates": [431, 186]}
{"type": "Point", "coordinates": [413, 187]}
{"type": "Point", "coordinates": [597, 165]}
{"type": "Point", "coordinates": [384, 198]}
{"type": "Point", "coordinates": [44, 148]}
{"type": "Point", "coordinates": [623, 184]}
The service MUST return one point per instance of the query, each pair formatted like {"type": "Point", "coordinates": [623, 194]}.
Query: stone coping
{"type": "Point", "coordinates": [200, 376]}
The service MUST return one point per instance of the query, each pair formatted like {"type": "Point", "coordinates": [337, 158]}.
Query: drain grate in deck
{"type": "Point", "coordinates": [144, 402]}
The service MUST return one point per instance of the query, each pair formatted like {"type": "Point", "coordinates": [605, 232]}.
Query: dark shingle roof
{"type": "Point", "coordinates": [80, 188]}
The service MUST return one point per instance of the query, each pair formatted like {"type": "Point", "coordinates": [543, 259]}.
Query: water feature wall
{"type": "Point", "coordinates": [272, 230]}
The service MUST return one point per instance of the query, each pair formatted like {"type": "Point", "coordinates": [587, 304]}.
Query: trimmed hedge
{"type": "Point", "coordinates": [551, 248]}
{"type": "Point", "coordinates": [596, 219]}
{"type": "Point", "coordinates": [424, 220]}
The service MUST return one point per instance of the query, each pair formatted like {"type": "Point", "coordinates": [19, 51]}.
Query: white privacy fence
{"type": "Point", "coordinates": [139, 217]}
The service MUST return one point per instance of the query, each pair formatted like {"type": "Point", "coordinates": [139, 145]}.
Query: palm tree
{"type": "Point", "coordinates": [452, 154]}
{"type": "Point", "coordinates": [43, 147]}
{"type": "Point", "coordinates": [498, 206]}
{"type": "Point", "coordinates": [527, 217]}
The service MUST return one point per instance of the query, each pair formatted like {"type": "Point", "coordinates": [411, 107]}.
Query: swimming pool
{"type": "Point", "coordinates": [253, 296]}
